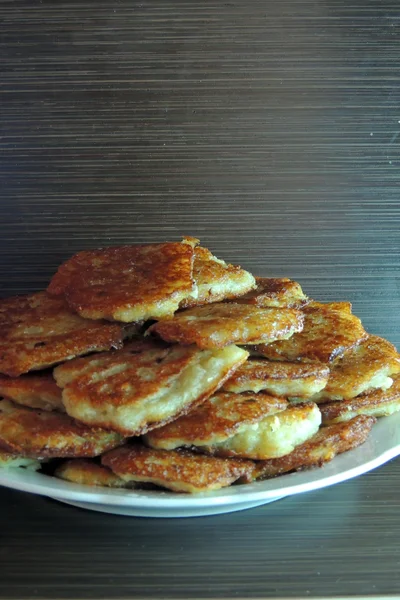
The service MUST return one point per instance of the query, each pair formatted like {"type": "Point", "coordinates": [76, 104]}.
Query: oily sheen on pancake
{"type": "Point", "coordinates": [127, 283]}
{"type": "Point", "coordinates": [39, 331]}
{"type": "Point", "coordinates": [218, 325]}
{"type": "Point", "coordinates": [133, 392]}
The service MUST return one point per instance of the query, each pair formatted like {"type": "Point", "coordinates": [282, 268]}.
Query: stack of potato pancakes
{"type": "Point", "coordinates": [162, 366]}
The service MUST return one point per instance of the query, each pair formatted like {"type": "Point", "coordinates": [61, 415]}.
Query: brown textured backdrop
{"type": "Point", "coordinates": [269, 130]}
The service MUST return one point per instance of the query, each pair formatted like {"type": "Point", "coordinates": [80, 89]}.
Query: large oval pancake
{"type": "Point", "coordinates": [40, 434]}
{"type": "Point", "coordinates": [273, 436]}
{"type": "Point", "coordinates": [281, 378]}
{"type": "Point", "coordinates": [133, 391]}
{"type": "Point", "coordinates": [319, 449]}
{"type": "Point", "coordinates": [39, 331]}
{"type": "Point", "coordinates": [36, 391]}
{"type": "Point", "coordinates": [127, 283]}
{"type": "Point", "coordinates": [376, 403]}
{"type": "Point", "coordinates": [218, 325]}
{"type": "Point", "coordinates": [215, 420]}
{"type": "Point", "coordinates": [369, 365]}
{"type": "Point", "coordinates": [177, 470]}
{"type": "Point", "coordinates": [326, 335]}
{"type": "Point", "coordinates": [216, 280]}
{"type": "Point", "coordinates": [273, 292]}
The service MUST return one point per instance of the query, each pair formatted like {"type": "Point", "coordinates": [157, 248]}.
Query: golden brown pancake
{"type": "Point", "coordinates": [36, 391]}
{"type": "Point", "coordinates": [9, 460]}
{"type": "Point", "coordinates": [221, 324]}
{"type": "Point", "coordinates": [215, 420]}
{"type": "Point", "coordinates": [369, 365]}
{"type": "Point", "coordinates": [216, 280]}
{"type": "Point", "coordinates": [278, 377]}
{"type": "Point", "coordinates": [272, 436]}
{"type": "Point", "coordinates": [326, 335]}
{"type": "Point", "coordinates": [345, 307]}
{"type": "Point", "coordinates": [378, 403]}
{"type": "Point", "coordinates": [278, 293]}
{"type": "Point", "coordinates": [127, 283]}
{"type": "Point", "coordinates": [88, 472]}
{"type": "Point", "coordinates": [39, 331]}
{"type": "Point", "coordinates": [133, 391]}
{"type": "Point", "coordinates": [177, 470]}
{"type": "Point", "coordinates": [321, 448]}
{"type": "Point", "coordinates": [40, 434]}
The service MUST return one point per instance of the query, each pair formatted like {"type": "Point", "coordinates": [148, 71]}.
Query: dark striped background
{"type": "Point", "coordinates": [271, 131]}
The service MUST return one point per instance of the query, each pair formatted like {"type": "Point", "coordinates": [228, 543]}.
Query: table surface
{"type": "Point", "coordinates": [270, 131]}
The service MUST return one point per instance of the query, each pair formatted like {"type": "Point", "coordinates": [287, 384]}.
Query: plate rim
{"type": "Point", "coordinates": [382, 445]}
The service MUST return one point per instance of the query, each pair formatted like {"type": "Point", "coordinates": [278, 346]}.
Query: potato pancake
{"type": "Point", "coordinates": [134, 391]}
{"type": "Point", "coordinates": [326, 335]}
{"type": "Point", "coordinates": [127, 283]}
{"type": "Point", "coordinates": [275, 293]}
{"type": "Point", "coordinates": [278, 377]}
{"type": "Point", "coordinates": [215, 420]}
{"type": "Point", "coordinates": [216, 280]}
{"type": "Point", "coordinates": [88, 472]}
{"type": "Point", "coordinates": [39, 331]}
{"type": "Point", "coordinates": [319, 449]}
{"type": "Point", "coordinates": [218, 325]}
{"type": "Point", "coordinates": [369, 365]}
{"type": "Point", "coordinates": [40, 434]}
{"type": "Point", "coordinates": [378, 403]}
{"type": "Point", "coordinates": [177, 470]}
{"type": "Point", "coordinates": [36, 391]}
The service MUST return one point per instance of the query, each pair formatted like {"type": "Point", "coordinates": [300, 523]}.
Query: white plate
{"type": "Point", "coordinates": [382, 445]}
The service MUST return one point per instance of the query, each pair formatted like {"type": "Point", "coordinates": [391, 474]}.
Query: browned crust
{"type": "Point", "coordinates": [214, 278]}
{"type": "Point", "coordinates": [218, 325]}
{"type": "Point", "coordinates": [39, 434]}
{"type": "Point", "coordinates": [36, 391]}
{"type": "Point", "coordinates": [326, 335]}
{"type": "Point", "coordinates": [266, 370]}
{"type": "Point", "coordinates": [360, 364]}
{"type": "Point", "coordinates": [126, 387]}
{"type": "Point", "coordinates": [172, 468]}
{"type": "Point", "coordinates": [39, 331]}
{"type": "Point", "coordinates": [88, 472]}
{"type": "Point", "coordinates": [221, 415]}
{"type": "Point", "coordinates": [321, 448]}
{"type": "Point", "coordinates": [98, 283]}
{"type": "Point", "coordinates": [378, 402]}
{"type": "Point", "coordinates": [274, 292]}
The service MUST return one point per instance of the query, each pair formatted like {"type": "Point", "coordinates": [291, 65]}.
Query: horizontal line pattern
{"type": "Point", "coordinates": [269, 130]}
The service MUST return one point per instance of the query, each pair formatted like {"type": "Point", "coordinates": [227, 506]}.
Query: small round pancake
{"type": "Point", "coordinates": [272, 436]}
{"type": "Point", "coordinates": [367, 366]}
{"type": "Point", "coordinates": [9, 460]}
{"type": "Point", "coordinates": [35, 391]}
{"type": "Point", "coordinates": [378, 403]}
{"type": "Point", "coordinates": [215, 420]}
{"type": "Point", "coordinates": [133, 392]}
{"type": "Point", "coordinates": [326, 335]}
{"type": "Point", "coordinates": [177, 470]}
{"type": "Point", "coordinates": [216, 280]}
{"type": "Point", "coordinates": [322, 447]}
{"type": "Point", "coordinates": [88, 472]}
{"type": "Point", "coordinates": [39, 331]}
{"type": "Point", "coordinates": [278, 377]}
{"type": "Point", "coordinates": [278, 293]}
{"type": "Point", "coordinates": [221, 324]}
{"type": "Point", "coordinates": [39, 434]}
{"type": "Point", "coordinates": [127, 283]}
